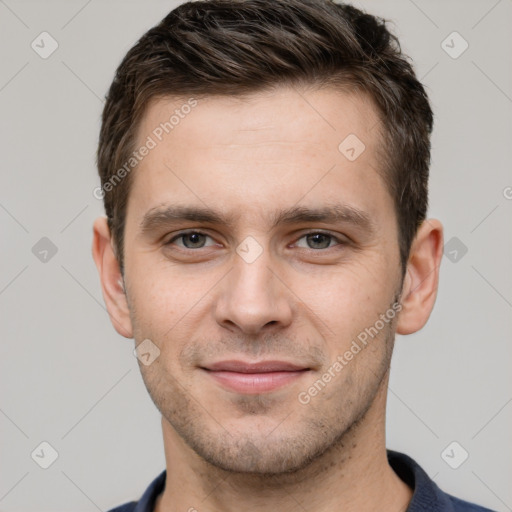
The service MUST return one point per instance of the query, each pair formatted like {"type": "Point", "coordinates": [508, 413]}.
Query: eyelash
{"type": "Point", "coordinates": [185, 233]}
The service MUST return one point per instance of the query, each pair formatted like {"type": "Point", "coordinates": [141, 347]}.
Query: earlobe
{"type": "Point", "coordinates": [111, 279]}
{"type": "Point", "coordinates": [421, 280]}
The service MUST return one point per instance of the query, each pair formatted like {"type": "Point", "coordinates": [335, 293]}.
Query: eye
{"type": "Point", "coordinates": [190, 240]}
{"type": "Point", "coordinates": [318, 240]}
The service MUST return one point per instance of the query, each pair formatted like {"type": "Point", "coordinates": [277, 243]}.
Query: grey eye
{"type": "Point", "coordinates": [196, 240]}
{"type": "Point", "coordinates": [317, 240]}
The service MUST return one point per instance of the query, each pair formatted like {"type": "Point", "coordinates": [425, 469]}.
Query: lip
{"type": "Point", "coordinates": [254, 378]}
{"type": "Point", "coordinates": [234, 365]}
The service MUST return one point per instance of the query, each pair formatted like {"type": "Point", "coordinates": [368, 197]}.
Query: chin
{"type": "Point", "coordinates": [262, 455]}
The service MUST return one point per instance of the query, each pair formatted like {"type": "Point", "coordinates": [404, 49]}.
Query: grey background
{"type": "Point", "coordinates": [67, 378]}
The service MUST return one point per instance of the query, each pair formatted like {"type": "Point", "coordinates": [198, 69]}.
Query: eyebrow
{"type": "Point", "coordinates": [160, 217]}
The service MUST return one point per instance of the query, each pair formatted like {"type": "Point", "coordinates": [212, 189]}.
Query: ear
{"type": "Point", "coordinates": [111, 278]}
{"type": "Point", "coordinates": [421, 280]}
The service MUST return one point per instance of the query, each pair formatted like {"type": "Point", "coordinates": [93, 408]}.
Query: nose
{"type": "Point", "coordinates": [253, 297]}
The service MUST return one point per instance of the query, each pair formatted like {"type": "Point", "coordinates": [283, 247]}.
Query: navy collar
{"type": "Point", "coordinates": [427, 497]}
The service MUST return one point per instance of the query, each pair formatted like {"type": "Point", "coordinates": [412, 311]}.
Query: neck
{"type": "Point", "coordinates": [353, 475]}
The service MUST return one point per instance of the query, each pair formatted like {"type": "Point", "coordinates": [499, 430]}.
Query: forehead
{"type": "Point", "coordinates": [281, 146]}
{"type": "Point", "coordinates": [287, 112]}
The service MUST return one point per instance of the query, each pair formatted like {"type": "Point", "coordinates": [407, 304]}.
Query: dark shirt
{"type": "Point", "coordinates": [427, 496]}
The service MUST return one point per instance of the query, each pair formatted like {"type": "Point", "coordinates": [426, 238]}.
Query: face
{"type": "Point", "coordinates": [256, 253]}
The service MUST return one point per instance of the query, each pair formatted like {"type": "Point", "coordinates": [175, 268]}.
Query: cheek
{"type": "Point", "coordinates": [163, 305]}
{"type": "Point", "coordinates": [341, 305]}
{"type": "Point", "coordinates": [353, 291]}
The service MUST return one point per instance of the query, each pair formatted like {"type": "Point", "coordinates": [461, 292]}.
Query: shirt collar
{"type": "Point", "coordinates": [426, 494]}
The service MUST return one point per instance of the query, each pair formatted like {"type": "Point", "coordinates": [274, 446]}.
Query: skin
{"type": "Point", "coordinates": [302, 300]}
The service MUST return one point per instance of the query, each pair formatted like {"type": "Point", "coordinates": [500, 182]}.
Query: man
{"type": "Point", "coordinates": [264, 169]}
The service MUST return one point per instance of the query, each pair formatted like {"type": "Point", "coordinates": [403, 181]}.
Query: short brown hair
{"type": "Point", "coordinates": [236, 47]}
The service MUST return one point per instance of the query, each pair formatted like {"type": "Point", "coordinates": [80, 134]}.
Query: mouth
{"type": "Point", "coordinates": [254, 378]}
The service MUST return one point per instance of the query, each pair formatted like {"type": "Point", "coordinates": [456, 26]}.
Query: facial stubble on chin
{"type": "Point", "coordinates": [283, 447]}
